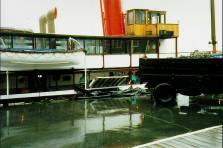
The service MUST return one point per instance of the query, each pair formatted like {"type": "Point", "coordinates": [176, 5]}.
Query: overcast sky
{"type": "Point", "coordinates": [83, 17]}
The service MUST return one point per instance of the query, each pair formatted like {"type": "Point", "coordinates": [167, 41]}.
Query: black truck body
{"type": "Point", "coordinates": [166, 77]}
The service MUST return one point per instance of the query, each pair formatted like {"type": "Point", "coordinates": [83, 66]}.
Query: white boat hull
{"type": "Point", "coordinates": [16, 61]}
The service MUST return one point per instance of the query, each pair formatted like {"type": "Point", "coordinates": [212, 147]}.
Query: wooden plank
{"type": "Point", "coordinates": [180, 144]}
{"type": "Point", "coordinates": [217, 139]}
{"type": "Point", "coordinates": [155, 146]}
{"type": "Point", "coordinates": [200, 138]}
{"type": "Point", "coordinates": [164, 145]}
{"type": "Point", "coordinates": [211, 136]}
{"type": "Point", "coordinates": [189, 143]}
{"type": "Point", "coordinates": [213, 132]}
{"type": "Point", "coordinates": [196, 142]}
{"type": "Point", "coordinates": [172, 144]}
{"type": "Point", "coordinates": [216, 131]}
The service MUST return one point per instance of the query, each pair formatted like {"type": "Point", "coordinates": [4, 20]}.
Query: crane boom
{"type": "Point", "coordinates": [112, 18]}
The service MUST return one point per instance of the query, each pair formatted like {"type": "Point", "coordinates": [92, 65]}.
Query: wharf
{"type": "Point", "coordinates": [38, 94]}
{"type": "Point", "coordinates": [208, 137]}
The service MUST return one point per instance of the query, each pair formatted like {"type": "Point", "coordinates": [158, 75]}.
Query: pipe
{"type": "Point", "coordinates": [42, 24]}
{"type": "Point", "coordinates": [51, 15]}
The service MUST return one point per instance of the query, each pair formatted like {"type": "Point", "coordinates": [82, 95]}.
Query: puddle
{"type": "Point", "coordinates": [119, 122]}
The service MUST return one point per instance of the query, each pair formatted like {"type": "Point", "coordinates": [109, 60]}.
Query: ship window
{"type": "Point", "coordinates": [5, 42]}
{"type": "Point", "coordinates": [75, 44]}
{"type": "Point", "coordinates": [66, 78]}
{"type": "Point", "coordinates": [106, 44]}
{"type": "Point", "coordinates": [81, 41]}
{"type": "Point", "coordinates": [135, 43]}
{"type": "Point", "coordinates": [154, 18]}
{"type": "Point", "coordinates": [162, 18]}
{"type": "Point", "coordinates": [90, 46]}
{"type": "Point", "coordinates": [93, 47]}
{"type": "Point", "coordinates": [151, 46]}
{"type": "Point", "coordinates": [128, 46]}
{"type": "Point", "coordinates": [52, 43]}
{"type": "Point", "coordinates": [117, 47]}
{"type": "Point", "coordinates": [130, 17]}
{"type": "Point", "coordinates": [139, 46]}
{"type": "Point", "coordinates": [149, 18]}
{"type": "Point", "coordinates": [2, 85]}
{"type": "Point", "coordinates": [42, 43]}
{"type": "Point", "coordinates": [139, 16]}
{"type": "Point", "coordinates": [117, 44]}
{"type": "Point", "coordinates": [99, 49]}
{"type": "Point", "coordinates": [21, 42]}
{"type": "Point", "coordinates": [56, 77]}
{"type": "Point", "coordinates": [61, 43]}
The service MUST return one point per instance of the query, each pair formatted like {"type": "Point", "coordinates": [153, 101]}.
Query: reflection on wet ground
{"type": "Point", "coordinates": [110, 123]}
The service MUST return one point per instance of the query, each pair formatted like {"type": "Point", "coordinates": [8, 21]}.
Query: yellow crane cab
{"type": "Point", "coordinates": [144, 22]}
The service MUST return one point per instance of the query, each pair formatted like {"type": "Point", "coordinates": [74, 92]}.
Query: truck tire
{"type": "Point", "coordinates": [164, 94]}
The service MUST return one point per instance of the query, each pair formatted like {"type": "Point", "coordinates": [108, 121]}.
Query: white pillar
{"type": "Point", "coordinates": [85, 72]}
{"type": "Point", "coordinates": [7, 118]}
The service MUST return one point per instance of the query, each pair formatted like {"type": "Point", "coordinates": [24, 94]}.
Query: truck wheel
{"type": "Point", "coordinates": [165, 94]}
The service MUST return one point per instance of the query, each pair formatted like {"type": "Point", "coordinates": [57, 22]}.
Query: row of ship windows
{"type": "Point", "coordinates": [92, 46]}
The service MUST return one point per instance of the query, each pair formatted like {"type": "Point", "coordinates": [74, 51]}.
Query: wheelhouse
{"type": "Point", "coordinates": [144, 22]}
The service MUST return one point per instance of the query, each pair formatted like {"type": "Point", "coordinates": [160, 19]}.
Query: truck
{"type": "Point", "coordinates": [188, 76]}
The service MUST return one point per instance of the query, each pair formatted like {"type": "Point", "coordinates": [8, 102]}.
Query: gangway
{"type": "Point", "coordinates": [111, 86]}
{"type": "Point", "coordinates": [108, 82]}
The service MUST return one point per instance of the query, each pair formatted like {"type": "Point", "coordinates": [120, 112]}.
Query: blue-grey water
{"type": "Point", "coordinates": [104, 123]}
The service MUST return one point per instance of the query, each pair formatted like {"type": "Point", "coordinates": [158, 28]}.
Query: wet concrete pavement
{"type": "Point", "coordinates": [109, 123]}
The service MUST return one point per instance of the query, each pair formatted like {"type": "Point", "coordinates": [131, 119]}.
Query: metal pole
{"type": "Point", "coordinates": [130, 53]}
{"type": "Point", "coordinates": [157, 48]}
{"type": "Point", "coordinates": [176, 46]}
{"type": "Point", "coordinates": [213, 33]}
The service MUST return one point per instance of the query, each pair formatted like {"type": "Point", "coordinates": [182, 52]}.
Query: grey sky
{"type": "Point", "coordinates": [83, 17]}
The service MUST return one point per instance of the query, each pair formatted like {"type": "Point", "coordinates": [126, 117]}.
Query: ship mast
{"type": "Point", "coordinates": [213, 33]}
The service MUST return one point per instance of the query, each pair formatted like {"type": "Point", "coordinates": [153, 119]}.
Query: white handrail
{"type": "Point", "coordinates": [85, 63]}
{"type": "Point", "coordinates": [75, 41]}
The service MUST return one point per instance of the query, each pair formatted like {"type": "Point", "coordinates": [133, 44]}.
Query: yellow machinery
{"type": "Point", "coordinates": [144, 22]}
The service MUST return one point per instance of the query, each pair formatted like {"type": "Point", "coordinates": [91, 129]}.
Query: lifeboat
{"type": "Point", "coordinates": [26, 59]}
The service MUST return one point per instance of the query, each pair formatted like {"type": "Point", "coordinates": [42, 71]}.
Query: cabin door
{"type": "Point", "coordinates": [37, 82]}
